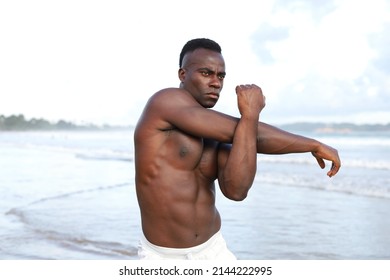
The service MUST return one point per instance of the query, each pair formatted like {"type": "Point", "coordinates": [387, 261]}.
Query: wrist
{"type": "Point", "coordinates": [251, 116]}
{"type": "Point", "coordinates": [315, 145]}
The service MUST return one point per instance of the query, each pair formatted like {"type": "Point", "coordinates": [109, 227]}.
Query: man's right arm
{"type": "Point", "coordinates": [178, 108]}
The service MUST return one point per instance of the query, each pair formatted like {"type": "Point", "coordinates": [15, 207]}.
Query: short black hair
{"type": "Point", "coordinates": [200, 43]}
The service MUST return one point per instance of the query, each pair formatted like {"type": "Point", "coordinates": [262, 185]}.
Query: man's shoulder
{"type": "Point", "coordinates": [160, 107]}
{"type": "Point", "coordinates": [169, 93]}
{"type": "Point", "coordinates": [170, 99]}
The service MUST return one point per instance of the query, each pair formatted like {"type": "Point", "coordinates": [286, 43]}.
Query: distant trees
{"type": "Point", "coordinates": [14, 122]}
{"type": "Point", "coordinates": [19, 122]}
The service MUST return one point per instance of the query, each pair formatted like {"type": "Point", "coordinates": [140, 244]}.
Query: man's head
{"type": "Point", "coordinates": [202, 71]}
{"type": "Point", "coordinates": [201, 43]}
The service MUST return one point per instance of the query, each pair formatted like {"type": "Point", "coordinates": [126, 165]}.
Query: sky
{"type": "Point", "coordinates": [99, 61]}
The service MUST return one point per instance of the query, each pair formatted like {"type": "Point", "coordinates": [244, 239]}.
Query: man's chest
{"type": "Point", "coordinates": [192, 153]}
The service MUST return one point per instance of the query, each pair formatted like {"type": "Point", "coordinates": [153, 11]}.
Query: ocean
{"type": "Point", "coordinates": [71, 196]}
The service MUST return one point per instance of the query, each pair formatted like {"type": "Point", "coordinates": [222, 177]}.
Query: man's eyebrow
{"type": "Point", "coordinates": [211, 71]}
{"type": "Point", "coordinates": [205, 69]}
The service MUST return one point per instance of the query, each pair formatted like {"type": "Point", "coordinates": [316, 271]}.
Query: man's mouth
{"type": "Point", "coordinates": [213, 95]}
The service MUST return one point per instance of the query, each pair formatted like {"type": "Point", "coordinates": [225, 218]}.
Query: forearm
{"type": "Point", "coordinates": [241, 164]}
{"type": "Point", "coordinates": [272, 140]}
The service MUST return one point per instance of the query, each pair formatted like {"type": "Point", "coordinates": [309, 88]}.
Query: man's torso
{"type": "Point", "coordinates": [175, 174]}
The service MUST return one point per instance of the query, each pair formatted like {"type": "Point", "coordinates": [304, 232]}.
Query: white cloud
{"type": "Point", "coordinates": [100, 61]}
{"type": "Point", "coordinates": [318, 69]}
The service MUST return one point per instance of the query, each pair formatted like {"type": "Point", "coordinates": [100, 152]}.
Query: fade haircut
{"type": "Point", "coordinates": [200, 43]}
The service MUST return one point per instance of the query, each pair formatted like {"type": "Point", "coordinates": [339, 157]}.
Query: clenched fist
{"type": "Point", "coordinates": [250, 100]}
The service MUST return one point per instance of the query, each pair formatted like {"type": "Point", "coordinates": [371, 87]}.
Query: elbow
{"type": "Point", "coordinates": [236, 195]}
{"type": "Point", "coordinates": [239, 197]}
{"type": "Point", "coordinates": [236, 190]}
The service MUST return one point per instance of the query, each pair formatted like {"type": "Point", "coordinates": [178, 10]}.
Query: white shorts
{"type": "Point", "coordinates": [213, 249]}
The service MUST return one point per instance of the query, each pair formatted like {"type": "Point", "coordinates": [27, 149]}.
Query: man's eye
{"type": "Point", "coordinates": [205, 73]}
{"type": "Point", "coordinates": [221, 77]}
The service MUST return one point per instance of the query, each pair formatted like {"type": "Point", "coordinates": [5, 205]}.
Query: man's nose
{"type": "Point", "coordinates": [215, 82]}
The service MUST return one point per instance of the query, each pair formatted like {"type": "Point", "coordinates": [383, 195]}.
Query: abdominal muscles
{"type": "Point", "coordinates": [179, 211]}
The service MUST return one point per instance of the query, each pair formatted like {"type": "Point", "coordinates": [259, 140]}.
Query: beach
{"type": "Point", "coordinates": [70, 195]}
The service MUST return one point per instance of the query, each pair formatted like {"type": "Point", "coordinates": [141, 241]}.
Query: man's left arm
{"type": "Point", "coordinates": [271, 140]}
{"type": "Point", "coordinates": [237, 163]}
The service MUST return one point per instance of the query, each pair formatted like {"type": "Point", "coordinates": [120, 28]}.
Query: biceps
{"type": "Point", "coordinates": [204, 123]}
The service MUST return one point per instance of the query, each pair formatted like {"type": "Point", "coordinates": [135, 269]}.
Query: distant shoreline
{"type": "Point", "coordinates": [20, 123]}
{"type": "Point", "coordinates": [342, 128]}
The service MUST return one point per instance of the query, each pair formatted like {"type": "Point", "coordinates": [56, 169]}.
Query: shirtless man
{"type": "Point", "coordinates": [182, 146]}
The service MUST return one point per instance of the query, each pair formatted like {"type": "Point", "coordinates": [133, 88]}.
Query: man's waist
{"type": "Point", "coordinates": [181, 251]}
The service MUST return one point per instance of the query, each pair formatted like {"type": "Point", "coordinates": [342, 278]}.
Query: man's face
{"type": "Point", "coordinates": [202, 74]}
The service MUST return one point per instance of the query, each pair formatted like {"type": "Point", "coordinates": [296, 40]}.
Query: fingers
{"type": "Point", "coordinates": [240, 89]}
{"type": "Point", "coordinates": [334, 169]}
{"type": "Point", "coordinates": [320, 161]}
{"type": "Point", "coordinates": [250, 88]}
{"type": "Point", "coordinates": [247, 86]}
{"type": "Point", "coordinates": [335, 165]}
{"type": "Point", "coordinates": [250, 100]}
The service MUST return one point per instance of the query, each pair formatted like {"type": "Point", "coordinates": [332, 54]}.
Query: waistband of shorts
{"type": "Point", "coordinates": [181, 251]}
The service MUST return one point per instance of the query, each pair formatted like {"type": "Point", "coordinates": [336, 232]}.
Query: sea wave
{"type": "Point", "coordinates": [379, 188]}
{"type": "Point", "coordinates": [69, 194]}
{"type": "Point", "coordinates": [105, 155]}
{"type": "Point", "coordinates": [38, 218]}
{"type": "Point", "coordinates": [382, 164]}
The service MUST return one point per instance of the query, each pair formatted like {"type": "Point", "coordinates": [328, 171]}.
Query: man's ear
{"type": "Point", "coordinates": [182, 74]}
